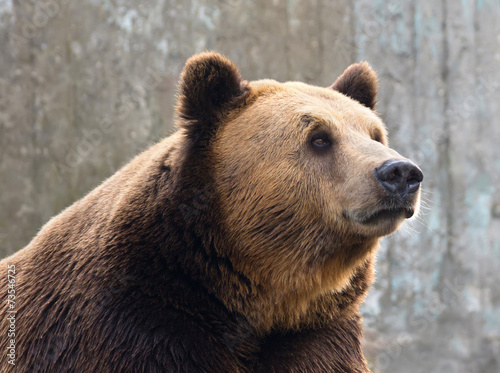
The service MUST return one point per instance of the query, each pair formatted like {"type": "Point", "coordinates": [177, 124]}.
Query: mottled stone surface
{"type": "Point", "coordinates": [86, 85]}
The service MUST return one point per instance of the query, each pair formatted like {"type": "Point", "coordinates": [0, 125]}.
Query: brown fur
{"type": "Point", "coordinates": [230, 246]}
{"type": "Point", "coordinates": [360, 83]}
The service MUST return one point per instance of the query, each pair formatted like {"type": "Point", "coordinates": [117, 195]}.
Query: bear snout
{"type": "Point", "coordinates": [399, 178]}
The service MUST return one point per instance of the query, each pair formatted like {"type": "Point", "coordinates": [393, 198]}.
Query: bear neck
{"type": "Point", "coordinates": [308, 304]}
{"type": "Point", "coordinates": [328, 293]}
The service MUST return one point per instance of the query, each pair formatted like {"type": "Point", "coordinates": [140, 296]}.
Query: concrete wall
{"type": "Point", "coordinates": [86, 85]}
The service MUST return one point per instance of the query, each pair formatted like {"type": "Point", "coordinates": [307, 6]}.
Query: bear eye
{"type": "Point", "coordinates": [320, 141]}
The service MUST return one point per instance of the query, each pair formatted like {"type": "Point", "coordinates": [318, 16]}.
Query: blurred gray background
{"type": "Point", "coordinates": [86, 85]}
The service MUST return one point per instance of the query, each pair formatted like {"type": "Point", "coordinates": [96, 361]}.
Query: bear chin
{"type": "Point", "coordinates": [381, 222]}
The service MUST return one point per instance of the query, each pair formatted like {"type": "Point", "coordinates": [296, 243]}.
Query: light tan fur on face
{"type": "Point", "coordinates": [286, 208]}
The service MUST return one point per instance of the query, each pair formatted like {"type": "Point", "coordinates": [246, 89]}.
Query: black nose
{"type": "Point", "coordinates": [399, 177]}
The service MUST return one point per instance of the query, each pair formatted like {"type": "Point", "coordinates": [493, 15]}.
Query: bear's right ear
{"type": "Point", "coordinates": [210, 86]}
{"type": "Point", "coordinates": [358, 82]}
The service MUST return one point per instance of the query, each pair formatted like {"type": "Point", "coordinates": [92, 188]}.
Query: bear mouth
{"type": "Point", "coordinates": [386, 214]}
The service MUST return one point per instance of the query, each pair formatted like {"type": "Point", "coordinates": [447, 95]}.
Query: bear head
{"type": "Point", "coordinates": [304, 182]}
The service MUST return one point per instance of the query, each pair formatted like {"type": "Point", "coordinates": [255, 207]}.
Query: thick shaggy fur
{"type": "Point", "coordinates": [223, 248]}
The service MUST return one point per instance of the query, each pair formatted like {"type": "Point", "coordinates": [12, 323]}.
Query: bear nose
{"type": "Point", "coordinates": [399, 177]}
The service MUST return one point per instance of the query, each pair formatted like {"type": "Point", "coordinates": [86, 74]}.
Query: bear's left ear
{"type": "Point", "coordinates": [360, 83]}
{"type": "Point", "coordinates": [210, 86]}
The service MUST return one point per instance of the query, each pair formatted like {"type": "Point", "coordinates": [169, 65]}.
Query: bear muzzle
{"type": "Point", "coordinates": [398, 198]}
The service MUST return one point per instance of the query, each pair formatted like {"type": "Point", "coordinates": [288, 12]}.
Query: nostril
{"type": "Point", "coordinates": [415, 175]}
{"type": "Point", "coordinates": [394, 175]}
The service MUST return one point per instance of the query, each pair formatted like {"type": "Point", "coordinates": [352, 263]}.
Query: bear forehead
{"type": "Point", "coordinates": [293, 101]}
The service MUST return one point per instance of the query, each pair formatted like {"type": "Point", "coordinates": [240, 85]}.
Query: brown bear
{"type": "Point", "coordinates": [244, 242]}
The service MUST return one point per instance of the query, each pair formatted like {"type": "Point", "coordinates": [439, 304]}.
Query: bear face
{"type": "Point", "coordinates": [306, 182]}
{"type": "Point", "coordinates": [314, 176]}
